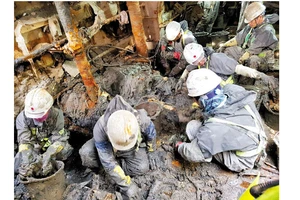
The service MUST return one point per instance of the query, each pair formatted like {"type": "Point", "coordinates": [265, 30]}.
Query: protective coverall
{"type": "Point", "coordinates": [41, 143]}
{"type": "Point", "coordinates": [171, 52]}
{"type": "Point", "coordinates": [120, 165]}
{"type": "Point", "coordinates": [225, 67]}
{"type": "Point", "coordinates": [231, 142]}
{"type": "Point", "coordinates": [256, 46]}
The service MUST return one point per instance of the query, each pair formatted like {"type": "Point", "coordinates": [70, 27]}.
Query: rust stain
{"type": "Point", "coordinates": [176, 163]}
{"type": "Point", "coordinates": [245, 184]}
{"type": "Point", "coordinates": [75, 46]}
{"type": "Point", "coordinates": [136, 20]}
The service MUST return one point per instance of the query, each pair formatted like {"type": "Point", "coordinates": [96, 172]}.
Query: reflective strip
{"type": "Point", "coordinates": [62, 131]}
{"type": "Point", "coordinates": [58, 147]}
{"type": "Point", "coordinates": [251, 152]}
{"type": "Point", "coordinates": [150, 147]}
{"type": "Point", "coordinates": [229, 80]}
{"type": "Point", "coordinates": [47, 143]}
{"type": "Point", "coordinates": [121, 173]}
{"type": "Point", "coordinates": [33, 131]}
{"type": "Point", "coordinates": [23, 147]}
{"type": "Point", "coordinates": [255, 129]}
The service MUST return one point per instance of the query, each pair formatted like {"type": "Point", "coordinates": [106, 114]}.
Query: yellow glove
{"type": "Point", "coordinates": [244, 57]}
{"type": "Point", "coordinates": [230, 43]}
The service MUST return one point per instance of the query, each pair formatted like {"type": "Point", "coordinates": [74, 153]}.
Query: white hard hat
{"type": "Point", "coordinates": [122, 129]}
{"type": "Point", "coordinates": [37, 102]}
{"type": "Point", "coordinates": [201, 81]}
{"type": "Point", "coordinates": [253, 10]}
{"type": "Point", "coordinates": [193, 52]}
{"type": "Point", "coordinates": [172, 30]}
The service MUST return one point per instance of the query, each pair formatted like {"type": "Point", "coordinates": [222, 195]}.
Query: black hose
{"type": "Point", "coordinates": [258, 189]}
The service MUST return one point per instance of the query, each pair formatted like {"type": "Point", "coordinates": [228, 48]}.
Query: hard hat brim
{"type": "Point", "coordinates": [34, 115]}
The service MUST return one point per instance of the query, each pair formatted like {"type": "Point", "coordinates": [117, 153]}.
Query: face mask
{"type": "Point", "coordinates": [42, 119]}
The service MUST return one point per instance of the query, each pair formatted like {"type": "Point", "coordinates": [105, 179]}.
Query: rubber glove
{"type": "Point", "coordinates": [244, 57]}
{"type": "Point", "coordinates": [177, 55]}
{"type": "Point", "coordinates": [131, 193]}
{"type": "Point", "coordinates": [49, 156]}
{"type": "Point", "coordinates": [270, 81]}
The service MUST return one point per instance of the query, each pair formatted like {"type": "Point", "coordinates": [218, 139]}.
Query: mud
{"type": "Point", "coordinates": [145, 88]}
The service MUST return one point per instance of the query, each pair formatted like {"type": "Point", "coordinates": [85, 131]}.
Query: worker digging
{"type": "Point", "coordinates": [124, 100]}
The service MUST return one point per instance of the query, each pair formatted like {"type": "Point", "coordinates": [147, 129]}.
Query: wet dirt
{"type": "Point", "coordinates": [142, 87]}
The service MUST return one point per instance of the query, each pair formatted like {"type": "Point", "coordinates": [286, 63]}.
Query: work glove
{"type": "Point", "coordinates": [153, 160]}
{"type": "Point", "coordinates": [244, 57]}
{"type": "Point", "coordinates": [26, 170]}
{"type": "Point", "coordinates": [178, 68]}
{"type": "Point", "coordinates": [30, 169]}
{"type": "Point", "coordinates": [179, 85]}
{"type": "Point", "coordinates": [49, 157]}
{"type": "Point", "coordinates": [177, 55]}
{"type": "Point", "coordinates": [271, 82]}
{"type": "Point", "coordinates": [131, 193]}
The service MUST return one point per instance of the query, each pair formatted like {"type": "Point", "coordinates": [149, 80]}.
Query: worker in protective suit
{"type": "Point", "coordinates": [124, 139]}
{"type": "Point", "coordinates": [221, 64]}
{"type": "Point", "coordinates": [172, 45]}
{"type": "Point", "coordinates": [232, 131]}
{"type": "Point", "coordinates": [255, 44]}
{"type": "Point", "coordinates": [41, 136]}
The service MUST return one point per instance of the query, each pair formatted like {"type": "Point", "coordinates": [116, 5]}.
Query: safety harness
{"type": "Point", "coordinates": [261, 134]}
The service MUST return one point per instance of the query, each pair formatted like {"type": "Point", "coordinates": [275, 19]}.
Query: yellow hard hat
{"type": "Point", "coordinates": [122, 129]}
{"type": "Point", "coordinates": [37, 102]}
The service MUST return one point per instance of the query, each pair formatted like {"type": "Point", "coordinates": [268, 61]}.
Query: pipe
{"type": "Point", "coordinates": [136, 20]}
{"type": "Point", "coordinates": [258, 189]}
{"type": "Point", "coordinates": [76, 47]}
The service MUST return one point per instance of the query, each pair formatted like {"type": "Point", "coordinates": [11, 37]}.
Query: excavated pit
{"type": "Point", "coordinates": [142, 87]}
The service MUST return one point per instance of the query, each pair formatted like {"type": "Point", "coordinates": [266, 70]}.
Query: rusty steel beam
{"type": "Point", "coordinates": [75, 46]}
{"type": "Point", "coordinates": [136, 20]}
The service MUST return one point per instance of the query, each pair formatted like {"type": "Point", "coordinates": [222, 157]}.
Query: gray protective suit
{"type": "Point", "coordinates": [120, 165]}
{"type": "Point", "coordinates": [36, 138]}
{"type": "Point", "coordinates": [222, 140]}
{"type": "Point", "coordinates": [171, 64]}
{"type": "Point", "coordinates": [260, 45]}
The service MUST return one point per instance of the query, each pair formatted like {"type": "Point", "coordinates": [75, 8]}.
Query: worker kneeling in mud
{"type": "Point", "coordinates": [232, 131]}
{"type": "Point", "coordinates": [41, 136]}
{"type": "Point", "coordinates": [172, 45]}
{"type": "Point", "coordinates": [125, 140]}
{"type": "Point", "coordinates": [204, 57]}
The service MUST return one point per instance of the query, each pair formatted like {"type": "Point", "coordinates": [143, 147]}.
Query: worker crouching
{"type": "Point", "coordinates": [124, 141]}
{"type": "Point", "coordinates": [232, 131]}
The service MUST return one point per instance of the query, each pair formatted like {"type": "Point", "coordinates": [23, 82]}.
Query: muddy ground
{"type": "Point", "coordinates": [143, 86]}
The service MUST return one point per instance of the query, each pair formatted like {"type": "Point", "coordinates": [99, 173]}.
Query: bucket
{"type": "Point", "coordinates": [271, 117]}
{"type": "Point", "coordinates": [218, 38]}
{"type": "Point", "coordinates": [202, 38]}
{"type": "Point", "coordinates": [49, 188]}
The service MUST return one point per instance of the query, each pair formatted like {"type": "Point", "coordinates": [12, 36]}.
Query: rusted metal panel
{"type": "Point", "coordinates": [150, 21]}
{"type": "Point", "coordinates": [136, 20]}
{"type": "Point", "coordinates": [76, 47]}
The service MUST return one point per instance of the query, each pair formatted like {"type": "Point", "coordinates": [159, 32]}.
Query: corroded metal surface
{"type": "Point", "coordinates": [76, 47]}
{"type": "Point", "coordinates": [136, 20]}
